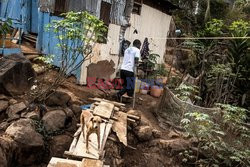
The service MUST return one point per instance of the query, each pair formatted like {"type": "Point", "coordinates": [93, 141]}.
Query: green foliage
{"type": "Point", "coordinates": [5, 27]}
{"type": "Point", "coordinates": [47, 60]}
{"type": "Point", "coordinates": [222, 137]}
{"type": "Point", "coordinates": [152, 60]}
{"type": "Point", "coordinates": [186, 92]}
{"type": "Point", "coordinates": [161, 70]}
{"type": "Point", "coordinates": [214, 27]}
{"type": "Point", "coordinates": [77, 33]}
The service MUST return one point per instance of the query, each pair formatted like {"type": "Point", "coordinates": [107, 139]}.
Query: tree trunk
{"type": "Point", "coordinates": [207, 14]}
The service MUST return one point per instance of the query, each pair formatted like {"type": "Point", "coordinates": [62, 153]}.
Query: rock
{"type": "Point", "coordinates": [76, 109]}
{"type": "Point", "coordinates": [15, 109]}
{"type": "Point", "coordinates": [144, 122]}
{"type": "Point", "coordinates": [54, 120]}
{"type": "Point", "coordinates": [144, 133]}
{"type": "Point", "coordinates": [173, 145]}
{"type": "Point", "coordinates": [7, 147]}
{"type": "Point", "coordinates": [32, 115]}
{"type": "Point", "coordinates": [134, 112]}
{"type": "Point", "coordinates": [3, 97]}
{"type": "Point", "coordinates": [73, 99]}
{"type": "Point", "coordinates": [12, 101]}
{"type": "Point", "coordinates": [30, 143]}
{"type": "Point", "coordinates": [70, 122]}
{"type": "Point", "coordinates": [4, 126]}
{"type": "Point", "coordinates": [3, 105]}
{"type": "Point", "coordinates": [16, 75]}
{"type": "Point", "coordinates": [59, 144]}
{"type": "Point", "coordinates": [157, 133]}
{"type": "Point", "coordinates": [173, 134]}
{"type": "Point", "coordinates": [58, 98]}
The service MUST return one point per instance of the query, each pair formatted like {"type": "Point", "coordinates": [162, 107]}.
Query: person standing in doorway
{"type": "Point", "coordinates": [131, 59]}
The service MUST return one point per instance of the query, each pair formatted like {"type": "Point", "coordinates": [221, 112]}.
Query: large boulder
{"type": "Point", "coordinates": [7, 147]}
{"type": "Point", "coordinates": [58, 98]}
{"type": "Point", "coordinates": [76, 109]}
{"type": "Point", "coordinates": [30, 143]}
{"type": "Point", "coordinates": [14, 110]}
{"type": "Point", "coordinates": [54, 120]}
{"type": "Point", "coordinates": [16, 75]}
{"type": "Point", "coordinates": [3, 105]}
{"type": "Point", "coordinates": [59, 144]}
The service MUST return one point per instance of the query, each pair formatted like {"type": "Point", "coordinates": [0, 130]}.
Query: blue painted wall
{"type": "Point", "coordinates": [47, 40]}
{"type": "Point", "coordinates": [23, 11]}
{"type": "Point", "coordinates": [27, 12]}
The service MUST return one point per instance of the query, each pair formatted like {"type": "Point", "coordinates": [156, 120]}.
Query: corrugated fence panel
{"type": "Point", "coordinates": [77, 5]}
{"type": "Point", "coordinates": [93, 6]}
{"type": "Point", "coordinates": [47, 5]}
{"type": "Point", "coordinates": [117, 12]}
{"type": "Point", "coordinates": [17, 10]}
{"type": "Point", "coordinates": [47, 41]}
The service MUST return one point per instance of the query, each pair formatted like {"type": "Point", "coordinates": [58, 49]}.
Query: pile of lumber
{"type": "Point", "coordinates": [115, 118]}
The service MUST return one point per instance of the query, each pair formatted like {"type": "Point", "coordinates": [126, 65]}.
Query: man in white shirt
{"type": "Point", "coordinates": [131, 58]}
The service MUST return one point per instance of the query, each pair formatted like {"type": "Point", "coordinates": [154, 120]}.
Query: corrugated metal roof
{"type": "Point", "coordinates": [117, 12]}
{"type": "Point", "coordinates": [47, 5]}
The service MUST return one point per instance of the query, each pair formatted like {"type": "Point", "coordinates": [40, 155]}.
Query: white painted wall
{"type": "Point", "coordinates": [152, 24]}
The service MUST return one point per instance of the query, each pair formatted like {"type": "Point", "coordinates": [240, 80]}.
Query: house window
{"type": "Point", "coordinates": [105, 17]}
{"type": "Point", "coordinates": [137, 7]}
{"type": "Point", "coordinates": [105, 12]}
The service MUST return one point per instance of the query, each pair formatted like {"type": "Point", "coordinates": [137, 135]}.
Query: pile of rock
{"type": "Point", "coordinates": [25, 124]}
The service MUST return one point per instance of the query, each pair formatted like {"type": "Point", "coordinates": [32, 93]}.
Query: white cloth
{"type": "Point", "coordinates": [129, 58]}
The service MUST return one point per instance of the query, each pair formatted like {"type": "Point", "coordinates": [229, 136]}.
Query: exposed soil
{"type": "Point", "coordinates": [145, 153]}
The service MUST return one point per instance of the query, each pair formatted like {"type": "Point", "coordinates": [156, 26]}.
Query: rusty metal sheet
{"type": "Point", "coordinates": [47, 5]}
{"type": "Point", "coordinates": [117, 12]}
{"type": "Point", "coordinates": [77, 6]}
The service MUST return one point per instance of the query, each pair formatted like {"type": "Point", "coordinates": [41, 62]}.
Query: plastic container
{"type": "Point", "coordinates": [137, 86]}
{"type": "Point", "coordinates": [156, 91]}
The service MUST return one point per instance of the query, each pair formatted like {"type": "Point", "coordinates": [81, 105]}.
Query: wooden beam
{"type": "Point", "coordinates": [55, 162]}
{"type": "Point", "coordinates": [133, 117]}
{"type": "Point", "coordinates": [104, 109]}
{"type": "Point", "coordinates": [108, 101]}
{"type": "Point", "coordinates": [91, 163]}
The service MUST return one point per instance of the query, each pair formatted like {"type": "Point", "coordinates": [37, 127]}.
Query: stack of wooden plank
{"type": "Point", "coordinates": [114, 118]}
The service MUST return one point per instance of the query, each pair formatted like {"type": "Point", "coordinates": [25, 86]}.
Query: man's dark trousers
{"type": "Point", "coordinates": [128, 83]}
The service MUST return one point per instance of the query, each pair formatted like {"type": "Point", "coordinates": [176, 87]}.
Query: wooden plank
{"type": "Point", "coordinates": [92, 163]}
{"type": "Point", "coordinates": [108, 101]}
{"type": "Point", "coordinates": [80, 148]}
{"type": "Point", "coordinates": [104, 110]}
{"type": "Point", "coordinates": [120, 127]}
{"type": "Point", "coordinates": [74, 142]}
{"type": "Point", "coordinates": [105, 137]}
{"type": "Point", "coordinates": [133, 117]}
{"type": "Point", "coordinates": [59, 162]}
